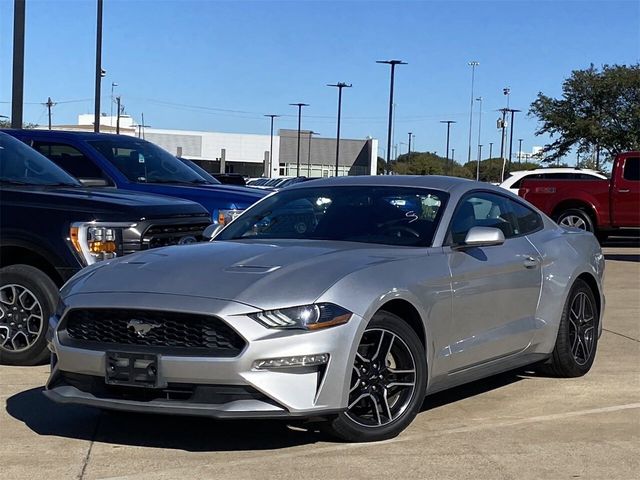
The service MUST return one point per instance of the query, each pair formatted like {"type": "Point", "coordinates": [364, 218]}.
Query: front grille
{"type": "Point", "coordinates": [184, 333]}
{"type": "Point", "coordinates": [165, 235]}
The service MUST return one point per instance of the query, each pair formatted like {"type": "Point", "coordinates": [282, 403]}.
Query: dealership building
{"type": "Point", "coordinates": [248, 154]}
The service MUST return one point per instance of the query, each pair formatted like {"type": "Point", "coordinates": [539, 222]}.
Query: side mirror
{"type": "Point", "coordinates": [211, 231]}
{"type": "Point", "coordinates": [481, 237]}
{"type": "Point", "coordinates": [94, 182]}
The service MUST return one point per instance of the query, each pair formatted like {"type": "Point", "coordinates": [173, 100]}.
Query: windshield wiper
{"type": "Point", "coordinates": [178, 182]}
{"type": "Point", "coordinates": [8, 181]}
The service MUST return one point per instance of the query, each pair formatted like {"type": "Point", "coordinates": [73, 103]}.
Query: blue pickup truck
{"type": "Point", "coordinates": [130, 163]}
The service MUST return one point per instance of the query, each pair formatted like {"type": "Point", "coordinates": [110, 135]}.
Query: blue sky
{"type": "Point", "coordinates": [220, 65]}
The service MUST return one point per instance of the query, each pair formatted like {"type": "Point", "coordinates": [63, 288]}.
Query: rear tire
{"type": "Point", "coordinates": [27, 299]}
{"type": "Point", "coordinates": [577, 339]}
{"type": "Point", "coordinates": [576, 218]}
{"type": "Point", "coordinates": [386, 389]}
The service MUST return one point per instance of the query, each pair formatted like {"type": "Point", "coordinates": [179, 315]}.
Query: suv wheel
{"type": "Point", "coordinates": [388, 382]}
{"type": "Point", "coordinates": [27, 300]}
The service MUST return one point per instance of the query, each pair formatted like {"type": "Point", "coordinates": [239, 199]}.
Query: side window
{"type": "Point", "coordinates": [70, 159]}
{"type": "Point", "coordinates": [632, 169]}
{"type": "Point", "coordinates": [528, 220]}
{"type": "Point", "coordinates": [535, 176]}
{"type": "Point", "coordinates": [560, 176]}
{"type": "Point", "coordinates": [483, 209]}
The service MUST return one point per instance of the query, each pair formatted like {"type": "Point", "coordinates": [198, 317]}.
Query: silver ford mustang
{"type": "Point", "coordinates": [343, 301]}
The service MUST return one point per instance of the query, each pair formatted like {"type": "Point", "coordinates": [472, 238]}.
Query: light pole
{"type": "Point", "coordinates": [96, 110]}
{"type": "Point", "coordinates": [409, 148]}
{"type": "Point", "coordinates": [473, 64]}
{"type": "Point", "coordinates": [311, 134]}
{"type": "Point", "coordinates": [513, 111]}
{"type": "Point", "coordinates": [490, 149]}
{"type": "Point", "coordinates": [339, 86]}
{"type": "Point", "coordinates": [448, 122]}
{"type": "Point", "coordinates": [502, 124]}
{"type": "Point", "coordinates": [272, 116]}
{"type": "Point", "coordinates": [393, 64]}
{"type": "Point", "coordinates": [113, 84]}
{"type": "Point", "coordinates": [519, 151]}
{"type": "Point", "coordinates": [479, 99]}
{"type": "Point", "coordinates": [17, 81]}
{"type": "Point", "coordinates": [299, 105]}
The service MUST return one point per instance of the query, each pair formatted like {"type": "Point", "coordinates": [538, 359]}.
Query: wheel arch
{"type": "Point", "coordinates": [409, 314]}
{"type": "Point", "coordinates": [590, 280]}
{"type": "Point", "coordinates": [15, 255]}
{"type": "Point", "coordinates": [580, 205]}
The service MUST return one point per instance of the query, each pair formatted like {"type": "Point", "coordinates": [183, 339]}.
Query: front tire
{"type": "Point", "coordinates": [388, 382]}
{"type": "Point", "coordinates": [577, 339]}
{"type": "Point", "coordinates": [27, 299]}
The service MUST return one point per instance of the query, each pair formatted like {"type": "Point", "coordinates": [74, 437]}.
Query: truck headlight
{"type": "Point", "coordinates": [226, 216]}
{"type": "Point", "coordinates": [307, 317]}
{"type": "Point", "coordinates": [97, 241]}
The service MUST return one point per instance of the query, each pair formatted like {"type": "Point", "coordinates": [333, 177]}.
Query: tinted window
{"type": "Point", "coordinates": [383, 215]}
{"type": "Point", "coordinates": [482, 209]}
{"type": "Point", "coordinates": [528, 220]}
{"type": "Point", "coordinates": [144, 162]}
{"type": "Point", "coordinates": [632, 169]}
{"type": "Point", "coordinates": [22, 165]}
{"type": "Point", "coordinates": [560, 176]}
{"type": "Point", "coordinates": [526, 177]}
{"type": "Point", "coordinates": [70, 159]}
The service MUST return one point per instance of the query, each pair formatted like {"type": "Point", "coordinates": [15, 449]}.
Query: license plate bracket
{"type": "Point", "coordinates": [131, 369]}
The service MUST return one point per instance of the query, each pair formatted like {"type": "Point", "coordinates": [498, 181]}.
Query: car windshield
{"type": "Point", "coordinates": [199, 170]}
{"type": "Point", "coordinates": [143, 162]}
{"type": "Point", "coordinates": [380, 215]}
{"type": "Point", "coordinates": [22, 165]}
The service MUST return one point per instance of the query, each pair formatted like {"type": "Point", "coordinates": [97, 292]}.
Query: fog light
{"type": "Point", "coordinates": [288, 362]}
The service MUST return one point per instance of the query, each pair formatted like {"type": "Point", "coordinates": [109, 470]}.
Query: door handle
{"type": "Point", "coordinates": [530, 262]}
{"type": "Point", "coordinates": [623, 190]}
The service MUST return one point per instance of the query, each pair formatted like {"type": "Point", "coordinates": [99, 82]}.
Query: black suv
{"type": "Point", "coordinates": [51, 227]}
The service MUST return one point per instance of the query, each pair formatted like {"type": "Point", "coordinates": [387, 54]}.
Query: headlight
{"type": "Point", "coordinates": [96, 241]}
{"type": "Point", "coordinates": [226, 216]}
{"type": "Point", "coordinates": [307, 317]}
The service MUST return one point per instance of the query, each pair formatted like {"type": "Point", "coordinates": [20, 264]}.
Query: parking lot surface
{"type": "Point", "coordinates": [514, 426]}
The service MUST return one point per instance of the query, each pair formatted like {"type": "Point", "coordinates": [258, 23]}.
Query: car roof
{"type": "Point", "coordinates": [67, 134]}
{"type": "Point", "coordinates": [436, 182]}
{"type": "Point", "coordinates": [555, 170]}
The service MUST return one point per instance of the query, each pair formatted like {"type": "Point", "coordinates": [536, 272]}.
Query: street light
{"type": "Point", "coordinates": [513, 111]}
{"type": "Point", "coordinates": [299, 105]}
{"type": "Point", "coordinates": [272, 116]}
{"type": "Point", "coordinates": [519, 151]}
{"type": "Point", "coordinates": [312, 133]}
{"type": "Point", "coordinates": [409, 149]}
{"type": "Point", "coordinates": [473, 64]}
{"type": "Point", "coordinates": [490, 149]}
{"type": "Point", "coordinates": [479, 99]}
{"type": "Point", "coordinates": [113, 84]}
{"type": "Point", "coordinates": [96, 110]}
{"type": "Point", "coordinates": [448, 122]}
{"type": "Point", "coordinates": [393, 64]}
{"type": "Point", "coordinates": [339, 86]}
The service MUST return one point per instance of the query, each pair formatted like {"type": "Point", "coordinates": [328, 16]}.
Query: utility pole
{"type": "Point", "coordinates": [448, 122]}
{"type": "Point", "coordinates": [299, 105]}
{"type": "Point", "coordinates": [17, 87]}
{"type": "Point", "coordinates": [141, 127]}
{"type": "Point", "coordinates": [393, 64]}
{"type": "Point", "coordinates": [339, 86]}
{"type": "Point", "coordinates": [473, 64]}
{"type": "Point", "coordinates": [519, 151]}
{"type": "Point", "coordinates": [99, 74]}
{"type": "Point", "coordinates": [502, 125]}
{"type": "Point", "coordinates": [49, 104]}
{"type": "Point", "coordinates": [490, 149]}
{"type": "Point", "coordinates": [513, 111]}
{"type": "Point", "coordinates": [409, 149]}
{"type": "Point", "coordinates": [118, 116]}
{"type": "Point", "coordinates": [272, 116]}
{"type": "Point", "coordinates": [113, 84]}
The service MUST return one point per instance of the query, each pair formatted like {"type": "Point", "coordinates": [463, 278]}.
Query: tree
{"type": "Point", "coordinates": [4, 123]}
{"type": "Point", "coordinates": [599, 111]}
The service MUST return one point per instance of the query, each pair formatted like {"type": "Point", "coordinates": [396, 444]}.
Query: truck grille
{"type": "Point", "coordinates": [183, 333]}
{"type": "Point", "coordinates": [164, 235]}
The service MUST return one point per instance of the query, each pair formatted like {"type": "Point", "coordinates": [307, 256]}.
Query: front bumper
{"type": "Point", "coordinates": [212, 386]}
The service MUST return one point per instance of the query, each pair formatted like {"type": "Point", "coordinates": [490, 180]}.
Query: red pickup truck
{"type": "Point", "coordinates": [599, 206]}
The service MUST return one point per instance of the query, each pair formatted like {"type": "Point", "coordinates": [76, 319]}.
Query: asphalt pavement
{"type": "Point", "coordinates": [514, 426]}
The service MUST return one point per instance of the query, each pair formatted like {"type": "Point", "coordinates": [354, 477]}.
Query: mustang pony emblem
{"type": "Point", "coordinates": [140, 327]}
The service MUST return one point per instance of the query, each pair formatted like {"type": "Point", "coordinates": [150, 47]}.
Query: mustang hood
{"type": "Point", "coordinates": [263, 275]}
